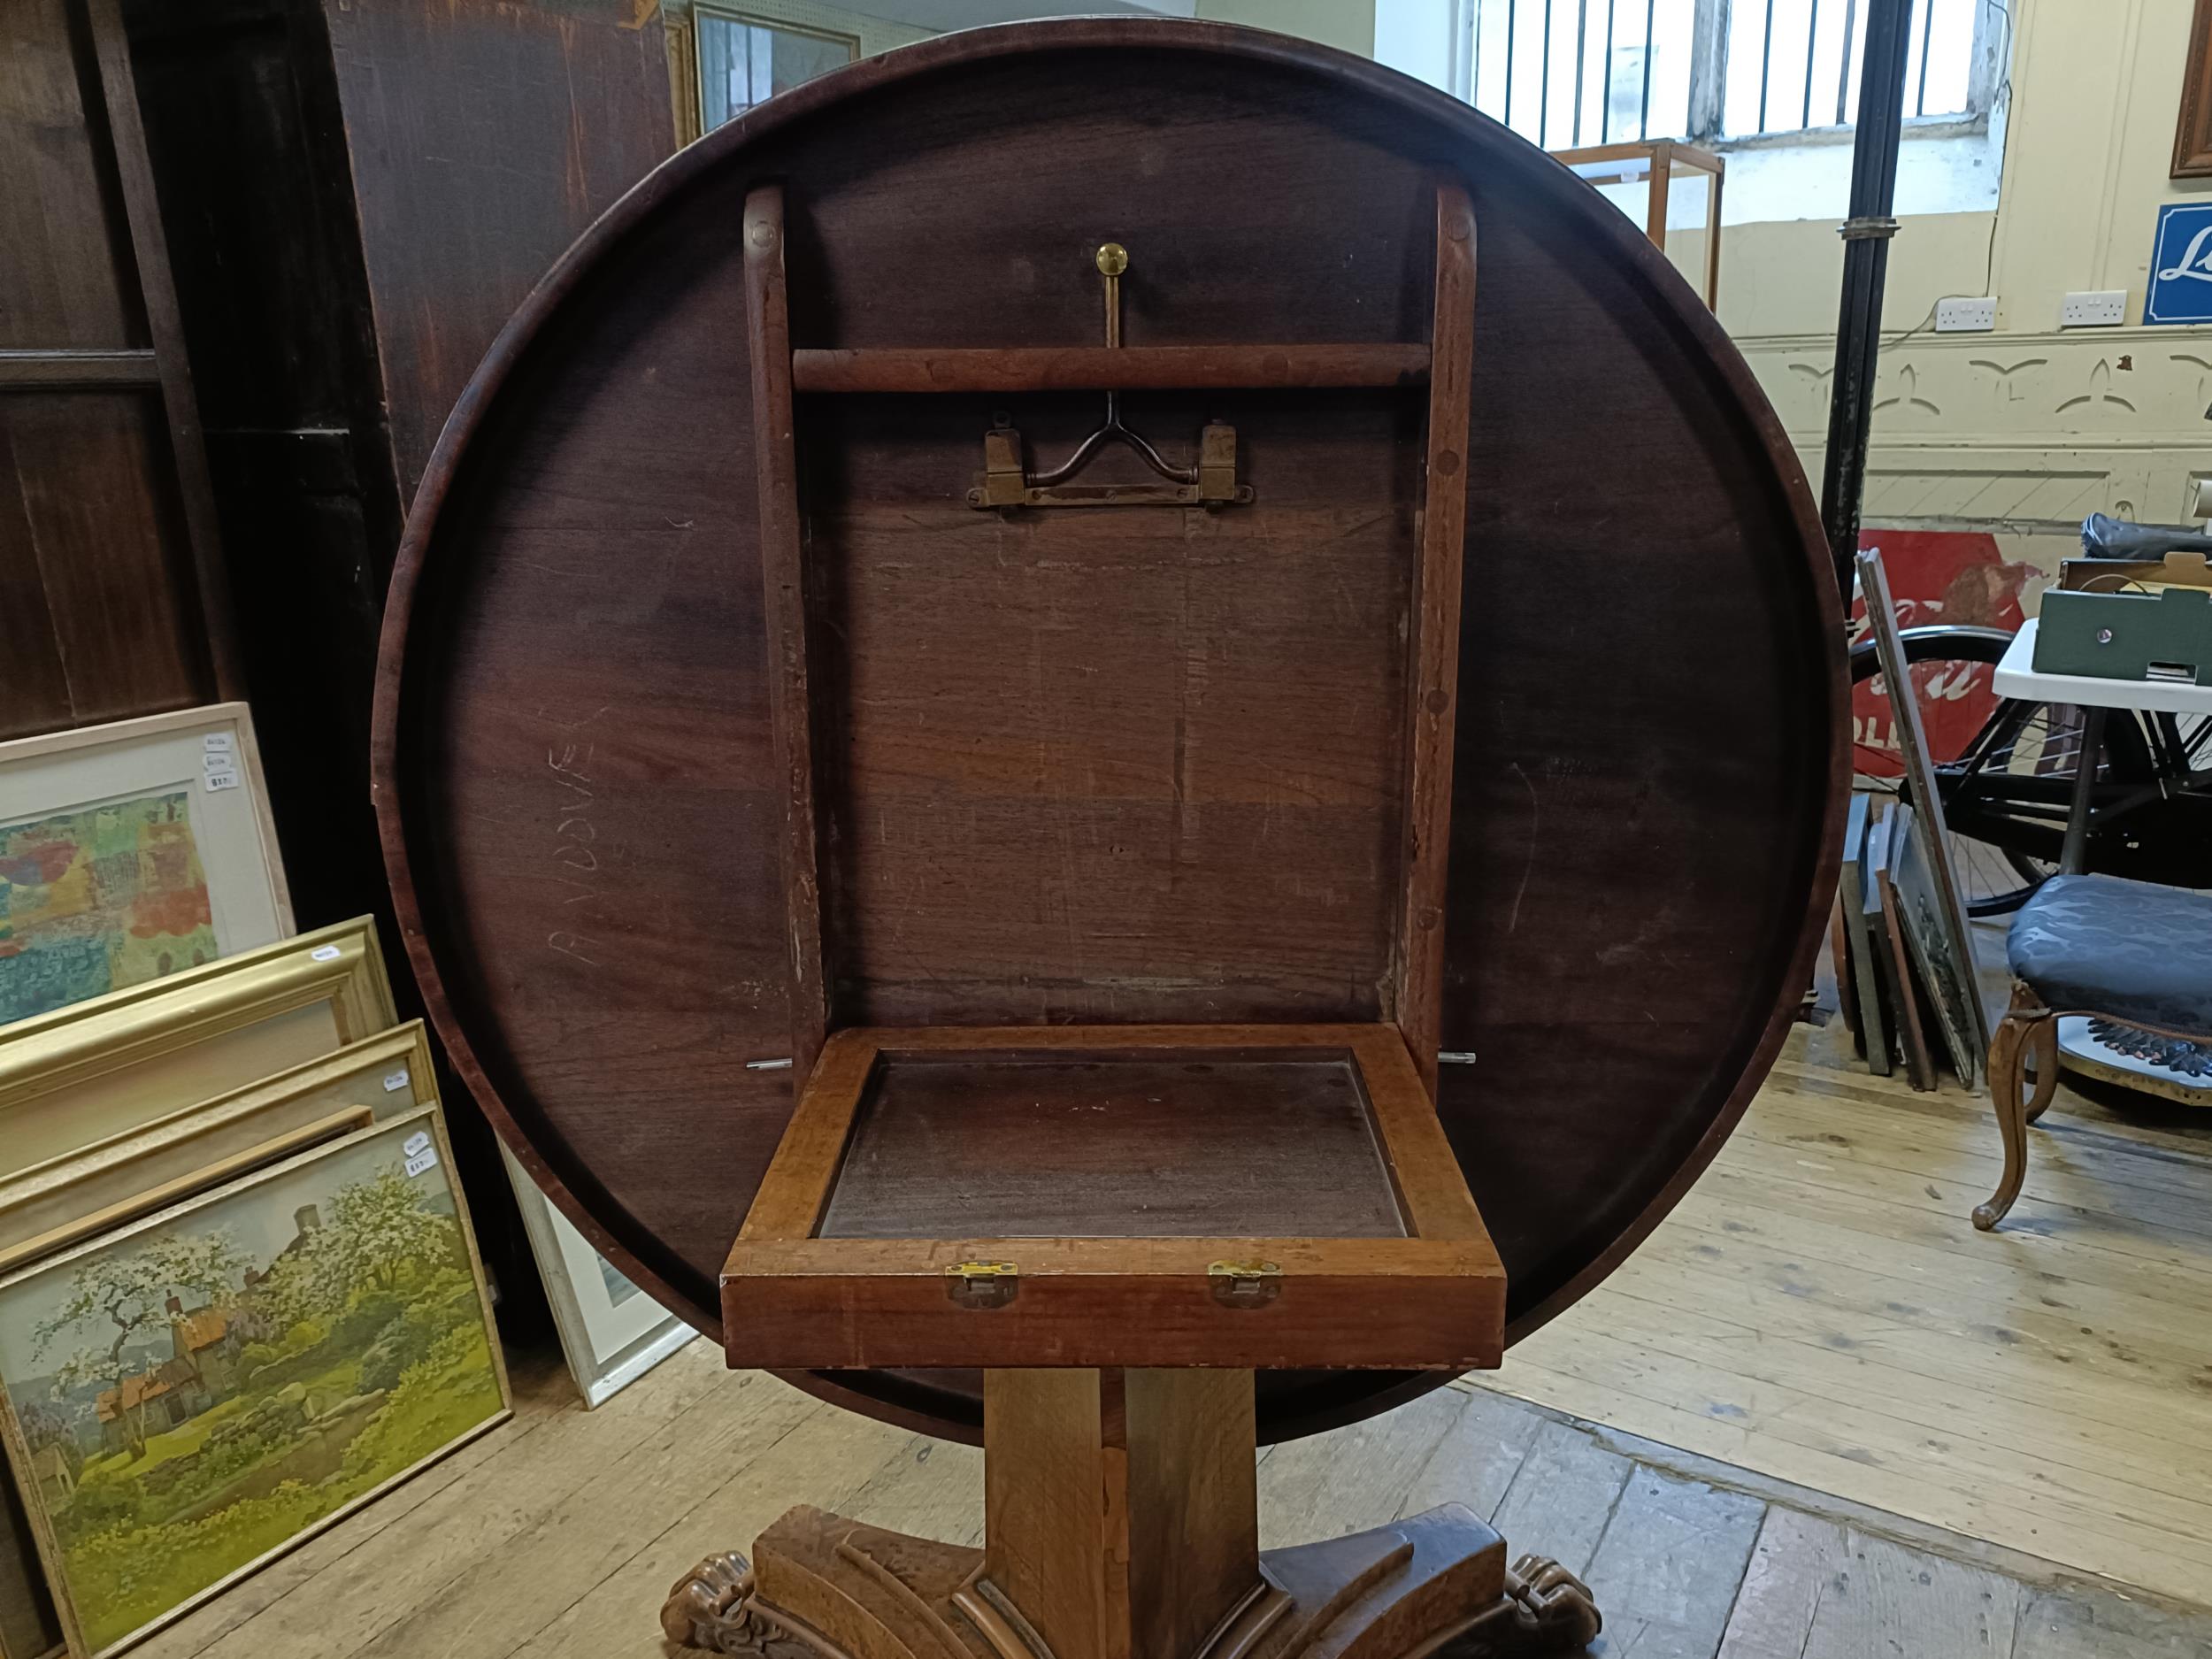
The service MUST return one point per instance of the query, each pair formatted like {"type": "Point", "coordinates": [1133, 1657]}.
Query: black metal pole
{"type": "Point", "coordinates": [1865, 269]}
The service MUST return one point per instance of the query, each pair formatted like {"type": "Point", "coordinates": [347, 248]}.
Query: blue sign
{"type": "Point", "coordinates": [2180, 286]}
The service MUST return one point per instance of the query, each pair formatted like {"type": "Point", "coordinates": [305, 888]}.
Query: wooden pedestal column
{"type": "Point", "coordinates": [1121, 1522]}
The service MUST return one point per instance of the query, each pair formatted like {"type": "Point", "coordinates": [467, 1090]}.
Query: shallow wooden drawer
{"type": "Point", "coordinates": [1253, 1197]}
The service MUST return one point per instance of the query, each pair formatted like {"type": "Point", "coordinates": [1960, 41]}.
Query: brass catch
{"type": "Point", "coordinates": [1245, 1284]}
{"type": "Point", "coordinates": [1211, 483]}
{"type": "Point", "coordinates": [982, 1284]}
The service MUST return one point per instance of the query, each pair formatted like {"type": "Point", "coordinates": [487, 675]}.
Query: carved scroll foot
{"type": "Point", "coordinates": [713, 1608]}
{"type": "Point", "coordinates": [1435, 1585]}
{"type": "Point", "coordinates": [1549, 1611]}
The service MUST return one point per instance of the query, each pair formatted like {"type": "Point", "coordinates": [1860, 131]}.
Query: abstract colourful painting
{"type": "Point", "coordinates": [97, 898]}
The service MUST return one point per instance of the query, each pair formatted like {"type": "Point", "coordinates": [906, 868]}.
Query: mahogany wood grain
{"type": "Point", "coordinates": [1115, 771]}
{"type": "Point", "coordinates": [1193, 1503]}
{"type": "Point", "coordinates": [1359, 1304]}
{"type": "Point", "coordinates": [481, 138]}
{"type": "Point", "coordinates": [1121, 1510]}
{"type": "Point", "coordinates": [1432, 686]}
{"type": "Point", "coordinates": [1270, 1140]}
{"type": "Point", "coordinates": [1121, 1209]}
{"type": "Point", "coordinates": [813, 1145]}
{"type": "Point", "coordinates": [1055, 1481]}
{"type": "Point", "coordinates": [783, 571]}
{"type": "Point", "coordinates": [1098, 368]}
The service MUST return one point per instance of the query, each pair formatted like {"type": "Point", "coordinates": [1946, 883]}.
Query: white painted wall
{"type": "Point", "coordinates": [2030, 425]}
{"type": "Point", "coordinates": [1346, 25]}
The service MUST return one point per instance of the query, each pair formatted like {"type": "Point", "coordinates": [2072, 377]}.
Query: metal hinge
{"type": "Point", "coordinates": [982, 1284]}
{"type": "Point", "coordinates": [1245, 1284]}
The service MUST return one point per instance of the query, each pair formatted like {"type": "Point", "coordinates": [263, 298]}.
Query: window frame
{"type": "Point", "coordinates": [1710, 38]}
{"type": "Point", "coordinates": [742, 18]}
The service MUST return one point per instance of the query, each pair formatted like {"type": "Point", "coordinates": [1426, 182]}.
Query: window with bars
{"type": "Point", "coordinates": [1567, 73]}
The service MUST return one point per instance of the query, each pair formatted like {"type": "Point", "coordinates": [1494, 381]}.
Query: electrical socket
{"type": "Point", "coordinates": [2105, 308]}
{"type": "Point", "coordinates": [1958, 316]}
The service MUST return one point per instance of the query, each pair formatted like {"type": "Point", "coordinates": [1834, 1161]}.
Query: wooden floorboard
{"type": "Point", "coordinates": [1821, 1310]}
{"type": "Point", "coordinates": [1815, 1416]}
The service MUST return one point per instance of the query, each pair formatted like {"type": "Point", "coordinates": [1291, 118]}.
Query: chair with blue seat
{"type": "Point", "coordinates": [2132, 952]}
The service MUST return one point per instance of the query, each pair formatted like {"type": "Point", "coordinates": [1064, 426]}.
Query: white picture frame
{"type": "Point", "coordinates": [611, 1332]}
{"type": "Point", "coordinates": [186, 791]}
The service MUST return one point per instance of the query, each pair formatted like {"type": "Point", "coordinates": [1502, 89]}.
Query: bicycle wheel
{"type": "Point", "coordinates": [2005, 768]}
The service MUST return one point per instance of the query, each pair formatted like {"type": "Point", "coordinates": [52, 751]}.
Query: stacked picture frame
{"type": "Point", "coordinates": [218, 1138]}
{"type": "Point", "coordinates": [239, 1293]}
{"type": "Point", "coordinates": [1907, 941]}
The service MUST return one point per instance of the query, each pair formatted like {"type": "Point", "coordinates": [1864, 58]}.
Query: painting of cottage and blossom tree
{"type": "Point", "coordinates": [196, 1393]}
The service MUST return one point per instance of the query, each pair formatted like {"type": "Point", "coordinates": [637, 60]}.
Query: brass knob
{"type": "Point", "coordinates": [1113, 259]}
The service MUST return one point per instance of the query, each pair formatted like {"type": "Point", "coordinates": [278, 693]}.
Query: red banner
{"type": "Point", "coordinates": [1936, 576]}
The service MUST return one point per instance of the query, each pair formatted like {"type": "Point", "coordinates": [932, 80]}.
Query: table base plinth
{"type": "Point", "coordinates": [1121, 1522]}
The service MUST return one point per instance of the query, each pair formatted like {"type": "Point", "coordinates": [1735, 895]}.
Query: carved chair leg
{"type": "Point", "coordinates": [2024, 1023]}
{"type": "Point", "coordinates": [2045, 1035]}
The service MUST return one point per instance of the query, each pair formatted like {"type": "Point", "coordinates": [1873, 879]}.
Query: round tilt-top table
{"type": "Point", "coordinates": [1121, 737]}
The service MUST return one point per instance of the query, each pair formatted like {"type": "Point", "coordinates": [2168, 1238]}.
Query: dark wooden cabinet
{"type": "Point", "coordinates": [113, 589]}
{"type": "Point", "coordinates": [357, 197]}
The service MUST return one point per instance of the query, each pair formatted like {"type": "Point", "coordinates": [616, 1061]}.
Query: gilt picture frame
{"type": "Point", "coordinates": [310, 1336]}
{"type": "Point", "coordinates": [130, 851]}
{"type": "Point", "coordinates": [81, 1074]}
{"type": "Point", "coordinates": [52, 1203]}
{"type": "Point", "coordinates": [611, 1332]}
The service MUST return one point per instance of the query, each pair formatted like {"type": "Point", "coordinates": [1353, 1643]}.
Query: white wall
{"type": "Point", "coordinates": [1347, 25]}
{"type": "Point", "coordinates": [2032, 426]}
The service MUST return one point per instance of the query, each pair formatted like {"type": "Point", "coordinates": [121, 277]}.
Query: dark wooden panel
{"type": "Point", "coordinates": [1173, 746]}
{"type": "Point", "coordinates": [1269, 1145]}
{"type": "Point", "coordinates": [1648, 739]}
{"type": "Point", "coordinates": [66, 277]}
{"type": "Point", "coordinates": [37, 697]}
{"type": "Point", "coordinates": [484, 137]}
{"type": "Point", "coordinates": [108, 554]}
{"type": "Point", "coordinates": [101, 530]}
{"type": "Point", "coordinates": [149, 244]}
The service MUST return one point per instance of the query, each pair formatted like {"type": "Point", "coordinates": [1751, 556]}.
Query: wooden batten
{"type": "Point", "coordinates": [1432, 673]}
{"type": "Point", "coordinates": [783, 571]}
{"type": "Point", "coordinates": [1117, 368]}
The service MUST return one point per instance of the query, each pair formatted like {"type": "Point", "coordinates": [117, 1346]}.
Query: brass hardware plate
{"type": "Point", "coordinates": [1244, 1284]}
{"type": "Point", "coordinates": [982, 1284]}
{"type": "Point", "coordinates": [1006, 484]}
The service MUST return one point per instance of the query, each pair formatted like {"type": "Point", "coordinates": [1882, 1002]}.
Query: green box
{"type": "Point", "coordinates": [2164, 638]}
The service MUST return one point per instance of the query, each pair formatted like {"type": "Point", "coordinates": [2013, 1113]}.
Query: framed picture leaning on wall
{"type": "Point", "coordinates": [291, 1345]}
{"type": "Point", "coordinates": [119, 1063]}
{"type": "Point", "coordinates": [56, 1203]}
{"type": "Point", "coordinates": [612, 1333]}
{"type": "Point", "coordinates": [131, 851]}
